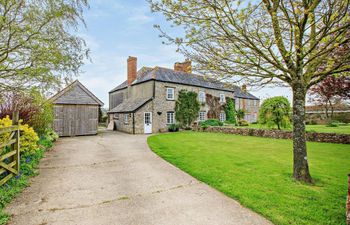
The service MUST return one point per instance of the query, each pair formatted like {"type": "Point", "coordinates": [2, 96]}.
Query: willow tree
{"type": "Point", "coordinates": [38, 42]}
{"type": "Point", "coordinates": [269, 41]}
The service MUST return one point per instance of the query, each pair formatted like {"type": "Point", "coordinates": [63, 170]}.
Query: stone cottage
{"type": "Point", "coordinates": [145, 102]}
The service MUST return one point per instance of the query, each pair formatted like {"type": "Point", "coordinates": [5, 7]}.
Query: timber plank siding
{"type": "Point", "coordinates": [75, 111]}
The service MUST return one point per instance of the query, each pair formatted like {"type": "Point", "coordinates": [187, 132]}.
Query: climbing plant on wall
{"type": "Point", "coordinates": [230, 111]}
{"type": "Point", "coordinates": [186, 108]}
{"type": "Point", "coordinates": [214, 106]}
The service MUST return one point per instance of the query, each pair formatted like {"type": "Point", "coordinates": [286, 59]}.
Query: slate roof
{"type": "Point", "coordinates": [76, 93]}
{"type": "Point", "coordinates": [239, 93]}
{"type": "Point", "coordinates": [130, 105]}
{"type": "Point", "coordinates": [178, 77]}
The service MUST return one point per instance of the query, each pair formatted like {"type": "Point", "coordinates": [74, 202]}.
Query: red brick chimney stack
{"type": "Point", "coordinates": [183, 66]}
{"type": "Point", "coordinates": [132, 69]}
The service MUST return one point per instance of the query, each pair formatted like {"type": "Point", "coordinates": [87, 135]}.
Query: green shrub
{"type": "Point", "coordinates": [332, 124]}
{"type": "Point", "coordinates": [28, 138]}
{"type": "Point", "coordinates": [173, 127]}
{"type": "Point", "coordinates": [51, 135]}
{"type": "Point", "coordinates": [243, 123]}
{"type": "Point", "coordinates": [212, 123]}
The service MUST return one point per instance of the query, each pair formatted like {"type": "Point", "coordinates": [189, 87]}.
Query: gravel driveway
{"type": "Point", "coordinates": [113, 178]}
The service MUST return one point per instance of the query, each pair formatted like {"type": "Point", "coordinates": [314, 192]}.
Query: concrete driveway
{"type": "Point", "coordinates": [114, 178]}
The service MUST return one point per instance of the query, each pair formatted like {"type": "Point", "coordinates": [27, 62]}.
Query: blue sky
{"type": "Point", "coordinates": [117, 29]}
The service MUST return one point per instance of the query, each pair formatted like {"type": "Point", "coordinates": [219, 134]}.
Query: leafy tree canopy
{"type": "Point", "coordinates": [186, 107]}
{"type": "Point", "coordinates": [38, 46]}
{"type": "Point", "coordinates": [329, 92]}
{"type": "Point", "coordinates": [275, 111]}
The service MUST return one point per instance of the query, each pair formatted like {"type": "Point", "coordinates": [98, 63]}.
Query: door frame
{"type": "Point", "coordinates": [151, 122]}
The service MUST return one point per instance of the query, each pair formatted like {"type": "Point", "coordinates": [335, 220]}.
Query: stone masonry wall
{"type": "Point", "coordinates": [161, 105]}
{"type": "Point", "coordinates": [280, 134]}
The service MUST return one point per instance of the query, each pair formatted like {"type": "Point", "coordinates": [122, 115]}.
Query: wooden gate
{"type": "Point", "coordinates": [10, 161]}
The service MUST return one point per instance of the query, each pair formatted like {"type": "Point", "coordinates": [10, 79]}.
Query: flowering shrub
{"type": "Point", "coordinates": [28, 139]}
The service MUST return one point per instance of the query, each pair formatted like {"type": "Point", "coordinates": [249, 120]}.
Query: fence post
{"type": "Point", "coordinates": [348, 203]}
{"type": "Point", "coordinates": [17, 157]}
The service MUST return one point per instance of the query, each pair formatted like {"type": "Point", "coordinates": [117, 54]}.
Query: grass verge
{"type": "Point", "coordinates": [13, 187]}
{"type": "Point", "coordinates": [258, 173]}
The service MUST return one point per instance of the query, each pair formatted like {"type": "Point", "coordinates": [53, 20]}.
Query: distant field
{"type": "Point", "coordinates": [258, 173]}
{"type": "Point", "coordinates": [342, 129]}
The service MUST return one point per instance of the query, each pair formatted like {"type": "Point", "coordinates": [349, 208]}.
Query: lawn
{"type": "Point", "coordinates": [258, 173]}
{"type": "Point", "coordinates": [341, 129]}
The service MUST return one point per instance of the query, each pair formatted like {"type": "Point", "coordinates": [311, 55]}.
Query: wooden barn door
{"type": "Point", "coordinates": [86, 119]}
{"type": "Point", "coordinates": [75, 120]}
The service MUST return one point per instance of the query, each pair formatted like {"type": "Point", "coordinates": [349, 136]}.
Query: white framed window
{"type": "Point", "coordinates": [170, 117]}
{"type": "Point", "coordinates": [222, 117]}
{"type": "Point", "coordinates": [116, 116]}
{"type": "Point", "coordinates": [126, 118]}
{"type": "Point", "coordinates": [201, 96]}
{"type": "Point", "coordinates": [170, 93]}
{"type": "Point", "coordinates": [222, 98]}
{"type": "Point", "coordinates": [202, 115]}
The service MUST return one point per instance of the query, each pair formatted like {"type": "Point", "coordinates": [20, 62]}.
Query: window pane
{"type": "Point", "coordinates": [170, 93]}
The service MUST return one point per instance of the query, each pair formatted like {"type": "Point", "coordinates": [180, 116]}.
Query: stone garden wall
{"type": "Point", "coordinates": [279, 134]}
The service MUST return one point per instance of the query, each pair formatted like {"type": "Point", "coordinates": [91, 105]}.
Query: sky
{"type": "Point", "coordinates": [116, 29]}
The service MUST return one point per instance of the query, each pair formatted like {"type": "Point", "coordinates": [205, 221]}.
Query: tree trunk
{"type": "Point", "coordinates": [332, 111]}
{"type": "Point", "coordinates": [301, 165]}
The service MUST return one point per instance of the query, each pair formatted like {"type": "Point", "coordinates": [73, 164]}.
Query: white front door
{"type": "Point", "coordinates": [148, 123]}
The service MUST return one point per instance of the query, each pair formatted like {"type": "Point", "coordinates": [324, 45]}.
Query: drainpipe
{"type": "Point", "coordinates": [133, 123]}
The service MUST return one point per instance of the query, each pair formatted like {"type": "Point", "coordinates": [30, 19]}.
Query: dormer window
{"type": "Point", "coordinates": [170, 93]}
{"type": "Point", "coordinates": [222, 98]}
{"type": "Point", "coordinates": [201, 96]}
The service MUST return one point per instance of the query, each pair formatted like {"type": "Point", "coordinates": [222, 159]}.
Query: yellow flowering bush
{"type": "Point", "coordinates": [28, 139]}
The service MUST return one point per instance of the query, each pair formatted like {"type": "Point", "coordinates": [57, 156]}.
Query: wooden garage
{"type": "Point", "coordinates": [75, 111]}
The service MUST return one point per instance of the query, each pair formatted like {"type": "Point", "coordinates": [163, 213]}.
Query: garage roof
{"type": "Point", "coordinates": [76, 94]}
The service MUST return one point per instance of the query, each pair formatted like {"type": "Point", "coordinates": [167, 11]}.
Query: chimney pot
{"type": "Point", "coordinates": [132, 69]}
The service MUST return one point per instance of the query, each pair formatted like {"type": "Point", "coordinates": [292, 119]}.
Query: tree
{"type": "Point", "coordinates": [282, 42]}
{"type": "Point", "coordinates": [34, 109]}
{"type": "Point", "coordinates": [38, 47]}
{"type": "Point", "coordinates": [330, 91]}
{"type": "Point", "coordinates": [275, 111]}
{"type": "Point", "coordinates": [230, 111]}
{"type": "Point", "coordinates": [186, 108]}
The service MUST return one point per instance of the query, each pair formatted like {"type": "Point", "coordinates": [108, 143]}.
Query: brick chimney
{"type": "Point", "coordinates": [132, 69]}
{"type": "Point", "coordinates": [183, 66]}
{"type": "Point", "coordinates": [244, 88]}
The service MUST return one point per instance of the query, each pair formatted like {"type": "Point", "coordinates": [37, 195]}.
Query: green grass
{"type": "Point", "coordinates": [258, 173]}
{"type": "Point", "coordinates": [341, 129]}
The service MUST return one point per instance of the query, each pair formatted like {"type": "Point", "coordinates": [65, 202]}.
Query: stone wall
{"type": "Point", "coordinates": [280, 134]}
{"type": "Point", "coordinates": [161, 105]}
